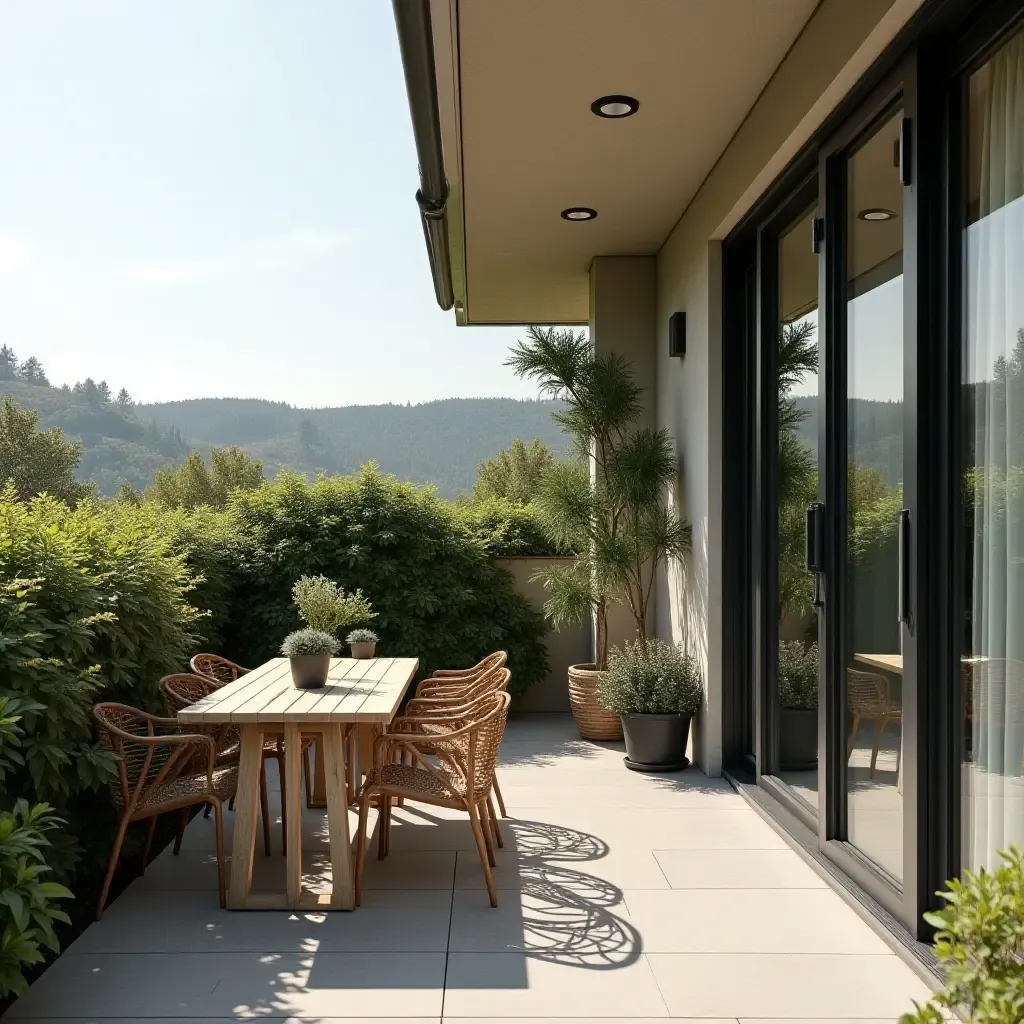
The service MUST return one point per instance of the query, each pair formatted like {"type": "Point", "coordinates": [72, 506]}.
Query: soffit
{"type": "Point", "coordinates": [516, 81]}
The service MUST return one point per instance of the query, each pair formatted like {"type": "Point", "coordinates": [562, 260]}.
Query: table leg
{"type": "Point", "coordinates": [292, 787]}
{"type": "Point", "coordinates": [343, 894]}
{"type": "Point", "coordinates": [246, 804]}
{"type": "Point", "coordinates": [318, 798]}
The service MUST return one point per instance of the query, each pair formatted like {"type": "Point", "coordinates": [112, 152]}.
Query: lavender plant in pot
{"type": "Point", "coordinates": [309, 651]}
{"type": "Point", "coordinates": [362, 643]}
{"type": "Point", "coordinates": [798, 705]}
{"type": "Point", "coordinates": [655, 689]}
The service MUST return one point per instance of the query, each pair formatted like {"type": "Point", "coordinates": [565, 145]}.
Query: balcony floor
{"type": "Point", "coordinates": [624, 897]}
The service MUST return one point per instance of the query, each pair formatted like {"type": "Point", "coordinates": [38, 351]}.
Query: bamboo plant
{"type": "Point", "coordinates": [607, 502]}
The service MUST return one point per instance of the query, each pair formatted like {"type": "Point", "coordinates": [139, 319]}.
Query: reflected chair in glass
{"type": "Point", "coordinates": [869, 699]}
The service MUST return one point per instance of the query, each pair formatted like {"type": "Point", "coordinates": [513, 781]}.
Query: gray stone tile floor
{"type": "Point", "coordinates": [624, 897]}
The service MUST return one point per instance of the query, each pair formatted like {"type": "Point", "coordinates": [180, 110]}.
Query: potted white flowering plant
{"type": "Point", "coordinates": [655, 689]}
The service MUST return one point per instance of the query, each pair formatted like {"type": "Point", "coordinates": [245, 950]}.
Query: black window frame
{"type": "Point", "coordinates": [932, 56]}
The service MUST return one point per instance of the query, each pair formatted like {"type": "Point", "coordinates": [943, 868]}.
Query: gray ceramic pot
{"type": "Point", "coordinates": [363, 650]}
{"type": "Point", "coordinates": [798, 738]}
{"type": "Point", "coordinates": [656, 743]}
{"type": "Point", "coordinates": [309, 671]}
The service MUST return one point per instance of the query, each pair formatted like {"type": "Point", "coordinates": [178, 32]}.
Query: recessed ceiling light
{"type": "Point", "coordinates": [615, 106]}
{"type": "Point", "coordinates": [579, 213]}
{"type": "Point", "coordinates": [876, 213]}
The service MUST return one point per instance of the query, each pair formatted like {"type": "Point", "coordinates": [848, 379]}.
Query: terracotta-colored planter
{"type": "Point", "coordinates": [594, 721]}
{"type": "Point", "coordinates": [363, 650]}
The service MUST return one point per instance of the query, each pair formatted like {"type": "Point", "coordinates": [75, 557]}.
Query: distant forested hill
{"type": "Point", "coordinates": [437, 442]}
{"type": "Point", "coordinates": [117, 444]}
{"type": "Point", "coordinates": [876, 434]}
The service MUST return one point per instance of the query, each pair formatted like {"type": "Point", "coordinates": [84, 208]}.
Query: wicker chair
{"type": "Point", "coordinates": [213, 666]}
{"type": "Point", "coordinates": [223, 671]}
{"type": "Point", "coordinates": [183, 689]}
{"type": "Point", "coordinates": [869, 698]}
{"type": "Point", "coordinates": [459, 774]}
{"type": "Point", "coordinates": [445, 678]}
{"type": "Point", "coordinates": [435, 702]}
{"type": "Point", "coordinates": [158, 770]}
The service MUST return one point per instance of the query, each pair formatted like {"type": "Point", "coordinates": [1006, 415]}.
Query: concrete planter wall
{"type": "Point", "coordinates": [570, 645]}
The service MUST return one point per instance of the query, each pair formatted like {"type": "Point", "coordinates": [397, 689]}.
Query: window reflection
{"type": "Point", "coordinates": [993, 459]}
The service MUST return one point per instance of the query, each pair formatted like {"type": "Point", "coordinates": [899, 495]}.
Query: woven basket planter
{"type": "Point", "coordinates": [594, 721]}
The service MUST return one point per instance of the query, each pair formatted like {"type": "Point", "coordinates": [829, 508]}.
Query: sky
{"type": "Point", "coordinates": [207, 199]}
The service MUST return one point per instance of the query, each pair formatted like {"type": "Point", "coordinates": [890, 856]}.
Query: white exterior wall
{"type": "Point", "coordinates": [838, 45]}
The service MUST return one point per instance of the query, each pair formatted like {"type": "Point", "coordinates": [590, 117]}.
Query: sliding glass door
{"type": "Point", "coordinates": [865, 523]}
{"type": "Point", "coordinates": [992, 459]}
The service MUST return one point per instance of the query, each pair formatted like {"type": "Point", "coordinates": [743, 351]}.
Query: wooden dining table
{"type": "Point", "coordinates": [364, 695]}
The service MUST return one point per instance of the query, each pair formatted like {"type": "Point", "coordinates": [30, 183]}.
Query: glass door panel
{"type": "Point", "coordinates": [871, 633]}
{"type": "Point", "coordinates": [796, 676]}
{"type": "Point", "coordinates": [992, 666]}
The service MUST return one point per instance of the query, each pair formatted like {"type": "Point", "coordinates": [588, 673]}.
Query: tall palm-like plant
{"type": "Point", "coordinates": [607, 503]}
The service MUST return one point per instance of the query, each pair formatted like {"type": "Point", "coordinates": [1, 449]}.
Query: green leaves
{"type": "Point", "coordinates": [612, 501]}
{"type": "Point", "coordinates": [323, 605]}
{"type": "Point", "coordinates": [980, 941]}
{"type": "Point", "coordinates": [798, 675]}
{"type": "Point", "coordinates": [27, 907]}
{"type": "Point", "coordinates": [651, 677]}
{"type": "Point", "coordinates": [432, 585]}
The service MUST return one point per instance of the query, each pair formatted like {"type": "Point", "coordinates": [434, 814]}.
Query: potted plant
{"type": "Point", "coordinates": [655, 689]}
{"type": "Point", "coordinates": [362, 643]}
{"type": "Point", "coordinates": [607, 504]}
{"type": "Point", "coordinates": [798, 705]}
{"type": "Point", "coordinates": [310, 652]}
{"type": "Point", "coordinates": [326, 606]}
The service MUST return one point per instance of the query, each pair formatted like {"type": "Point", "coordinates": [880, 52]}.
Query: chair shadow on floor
{"type": "Point", "coordinates": [553, 910]}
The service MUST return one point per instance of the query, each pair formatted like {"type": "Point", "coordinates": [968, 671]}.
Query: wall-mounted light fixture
{"type": "Point", "coordinates": [677, 334]}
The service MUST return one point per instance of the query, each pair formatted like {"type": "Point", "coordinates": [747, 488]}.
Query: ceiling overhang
{"type": "Point", "coordinates": [514, 87]}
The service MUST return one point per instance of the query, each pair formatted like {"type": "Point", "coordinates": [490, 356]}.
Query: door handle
{"type": "Point", "coordinates": [814, 552]}
{"type": "Point", "coordinates": [905, 614]}
{"type": "Point", "coordinates": [814, 537]}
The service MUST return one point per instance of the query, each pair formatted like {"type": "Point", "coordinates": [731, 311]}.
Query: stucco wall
{"type": "Point", "coordinates": [570, 645]}
{"type": "Point", "coordinates": [839, 43]}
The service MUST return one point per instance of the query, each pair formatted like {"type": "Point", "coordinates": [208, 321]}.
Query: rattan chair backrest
{"type": "Point", "coordinates": [214, 667]}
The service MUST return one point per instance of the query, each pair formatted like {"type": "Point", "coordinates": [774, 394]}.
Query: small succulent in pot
{"type": "Point", "coordinates": [363, 642]}
{"type": "Point", "coordinates": [310, 652]}
{"type": "Point", "coordinates": [656, 689]}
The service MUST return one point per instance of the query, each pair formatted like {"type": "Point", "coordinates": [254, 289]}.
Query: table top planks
{"type": "Point", "coordinates": [367, 690]}
{"type": "Point", "coordinates": [889, 662]}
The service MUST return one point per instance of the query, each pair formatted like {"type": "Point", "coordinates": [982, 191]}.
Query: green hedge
{"type": "Point", "coordinates": [430, 578]}
{"type": "Point", "coordinates": [506, 528]}
{"type": "Point", "coordinates": [94, 605]}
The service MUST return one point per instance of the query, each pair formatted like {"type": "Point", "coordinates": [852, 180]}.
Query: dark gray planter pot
{"type": "Point", "coordinates": [364, 650]}
{"type": "Point", "coordinates": [309, 671]}
{"type": "Point", "coordinates": [798, 739]}
{"type": "Point", "coordinates": [656, 743]}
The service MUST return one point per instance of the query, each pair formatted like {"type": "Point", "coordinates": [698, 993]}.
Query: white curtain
{"type": "Point", "coordinates": [993, 779]}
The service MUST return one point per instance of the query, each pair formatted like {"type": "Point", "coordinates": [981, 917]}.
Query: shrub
{"type": "Point", "coordinates": [436, 594]}
{"type": "Point", "coordinates": [309, 643]}
{"type": "Point", "coordinates": [651, 677]}
{"type": "Point", "coordinates": [798, 675]}
{"type": "Point", "coordinates": [506, 529]}
{"type": "Point", "coordinates": [93, 605]}
{"type": "Point", "coordinates": [980, 942]}
{"type": "Point", "coordinates": [27, 899]}
{"type": "Point", "coordinates": [325, 606]}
